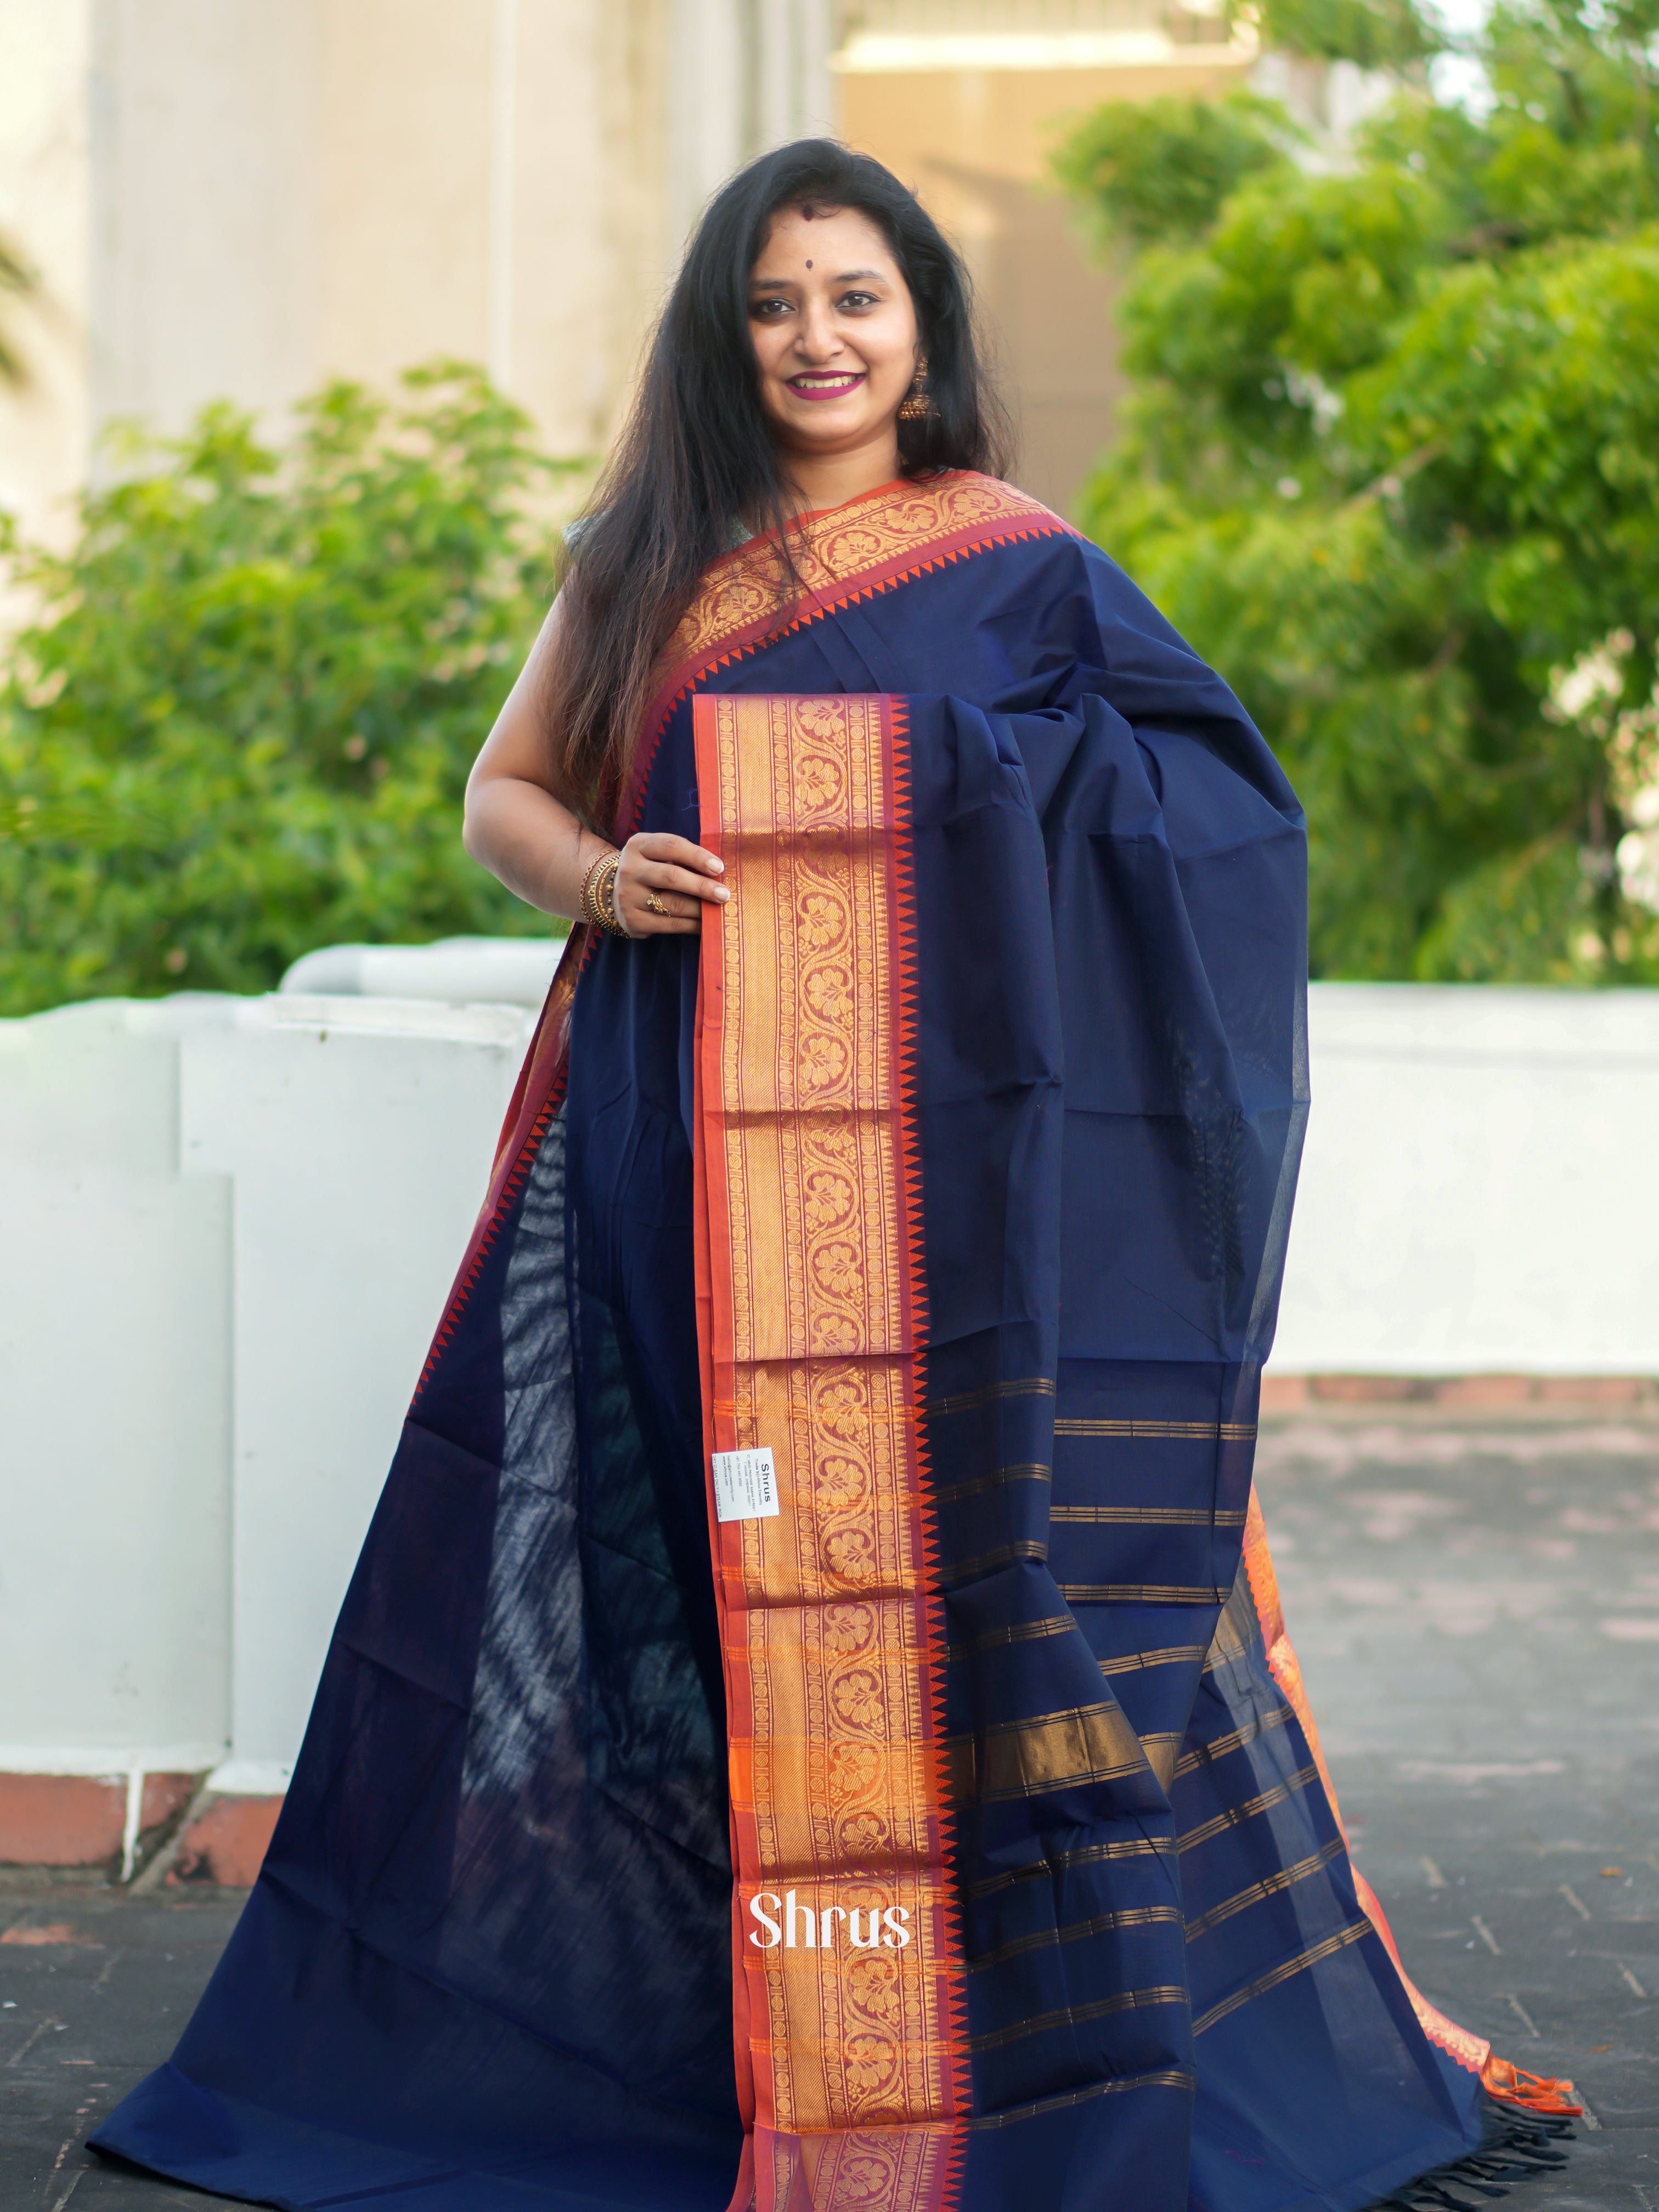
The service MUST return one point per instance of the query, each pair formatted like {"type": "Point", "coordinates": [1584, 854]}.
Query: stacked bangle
{"type": "Point", "coordinates": [599, 899]}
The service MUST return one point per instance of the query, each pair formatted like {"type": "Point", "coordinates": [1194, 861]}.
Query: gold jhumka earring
{"type": "Point", "coordinates": [917, 403]}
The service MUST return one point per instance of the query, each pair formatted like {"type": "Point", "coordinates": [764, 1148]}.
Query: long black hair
{"type": "Point", "coordinates": [697, 453]}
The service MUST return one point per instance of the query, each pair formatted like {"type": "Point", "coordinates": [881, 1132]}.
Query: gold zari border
{"type": "Point", "coordinates": [852, 2060]}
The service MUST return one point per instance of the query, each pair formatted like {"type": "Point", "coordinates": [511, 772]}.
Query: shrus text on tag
{"type": "Point", "coordinates": [745, 1485]}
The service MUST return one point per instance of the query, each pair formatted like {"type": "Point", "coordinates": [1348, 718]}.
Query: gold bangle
{"type": "Point", "coordinates": [604, 897]}
{"type": "Point", "coordinates": [584, 902]}
{"type": "Point", "coordinates": [599, 897]}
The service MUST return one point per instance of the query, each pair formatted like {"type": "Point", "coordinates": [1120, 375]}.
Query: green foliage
{"type": "Point", "coordinates": [1390, 459]}
{"type": "Point", "coordinates": [1378, 35]}
{"type": "Point", "coordinates": [1161, 168]}
{"type": "Point", "coordinates": [240, 725]}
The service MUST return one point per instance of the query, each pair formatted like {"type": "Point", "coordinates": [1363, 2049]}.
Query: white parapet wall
{"type": "Point", "coordinates": [232, 1223]}
{"type": "Point", "coordinates": [356, 1136]}
{"type": "Point", "coordinates": [1479, 1192]}
{"type": "Point", "coordinates": [115, 1382]}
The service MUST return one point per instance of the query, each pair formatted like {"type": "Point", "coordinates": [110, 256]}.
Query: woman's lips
{"type": "Point", "coordinates": [835, 386]}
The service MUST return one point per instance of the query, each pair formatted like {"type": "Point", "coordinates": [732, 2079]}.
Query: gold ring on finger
{"type": "Point", "coordinates": [653, 904]}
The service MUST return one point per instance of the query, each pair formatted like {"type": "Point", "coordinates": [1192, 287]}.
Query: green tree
{"type": "Point", "coordinates": [1390, 457]}
{"type": "Point", "coordinates": [241, 724]}
{"type": "Point", "coordinates": [1161, 168]}
{"type": "Point", "coordinates": [1378, 35]}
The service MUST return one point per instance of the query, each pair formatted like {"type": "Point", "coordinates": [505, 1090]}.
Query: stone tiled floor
{"type": "Point", "coordinates": [92, 2012]}
{"type": "Point", "coordinates": [1476, 1606]}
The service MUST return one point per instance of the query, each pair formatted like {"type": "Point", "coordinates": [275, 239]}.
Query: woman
{"type": "Point", "coordinates": [891, 1212]}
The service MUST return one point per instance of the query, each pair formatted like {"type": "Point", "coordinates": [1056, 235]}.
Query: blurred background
{"type": "Point", "coordinates": [1336, 322]}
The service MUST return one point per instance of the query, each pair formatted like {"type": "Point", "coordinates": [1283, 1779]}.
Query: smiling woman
{"type": "Point", "coordinates": [812, 1729]}
{"type": "Point", "coordinates": [837, 347]}
{"type": "Point", "coordinates": [779, 385]}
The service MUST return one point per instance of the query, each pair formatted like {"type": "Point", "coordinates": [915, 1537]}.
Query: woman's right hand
{"type": "Point", "coordinates": [536, 846]}
{"type": "Point", "coordinates": [680, 874]}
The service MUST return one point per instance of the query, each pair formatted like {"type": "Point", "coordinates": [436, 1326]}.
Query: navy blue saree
{"type": "Point", "coordinates": [811, 1728]}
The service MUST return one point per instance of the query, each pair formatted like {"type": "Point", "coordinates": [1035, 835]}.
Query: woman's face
{"type": "Point", "coordinates": [834, 331]}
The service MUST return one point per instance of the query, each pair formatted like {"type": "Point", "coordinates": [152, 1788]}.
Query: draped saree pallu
{"type": "Point", "coordinates": [847, 1967]}
{"type": "Point", "coordinates": [906, 1250]}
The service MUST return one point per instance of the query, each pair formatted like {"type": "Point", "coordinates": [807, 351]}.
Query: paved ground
{"type": "Point", "coordinates": [1477, 1611]}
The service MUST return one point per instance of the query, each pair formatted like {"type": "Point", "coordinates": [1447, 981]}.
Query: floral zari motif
{"type": "Point", "coordinates": [850, 2052]}
{"type": "Point", "coordinates": [868, 545]}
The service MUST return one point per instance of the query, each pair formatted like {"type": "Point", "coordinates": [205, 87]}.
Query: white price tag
{"type": "Point", "coordinates": [745, 1485]}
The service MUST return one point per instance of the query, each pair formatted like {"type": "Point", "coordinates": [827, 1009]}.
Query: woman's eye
{"type": "Point", "coordinates": [768, 310]}
{"type": "Point", "coordinates": [856, 300]}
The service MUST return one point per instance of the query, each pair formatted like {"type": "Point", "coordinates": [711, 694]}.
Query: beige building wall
{"type": "Point", "coordinates": [202, 145]}
{"type": "Point", "coordinates": [974, 141]}
{"type": "Point", "coordinates": [240, 198]}
{"type": "Point", "coordinates": [237, 198]}
{"type": "Point", "coordinates": [46, 209]}
{"type": "Point", "coordinates": [491, 185]}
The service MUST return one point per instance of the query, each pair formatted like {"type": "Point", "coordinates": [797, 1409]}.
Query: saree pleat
{"type": "Point", "coordinates": [955, 1172]}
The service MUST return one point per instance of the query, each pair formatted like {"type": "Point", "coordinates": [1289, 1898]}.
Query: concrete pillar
{"type": "Point", "coordinates": [204, 121]}
{"type": "Point", "coordinates": [747, 75]}
{"type": "Point", "coordinates": [45, 213]}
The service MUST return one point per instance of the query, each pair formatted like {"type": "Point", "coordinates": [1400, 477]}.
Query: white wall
{"type": "Point", "coordinates": [1480, 1188]}
{"type": "Point", "coordinates": [358, 1137]}
{"type": "Point", "coordinates": [231, 1225]}
{"type": "Point", "coordinates": [115, 1386]}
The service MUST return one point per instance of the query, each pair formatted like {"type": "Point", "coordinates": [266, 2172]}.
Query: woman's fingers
{"type": "Point", "coordinates": [678, 916]}
{"type": "Point", "coordinates": [662, 882]}
{"type": "Point", "coordinates": [643, 924]}
{"type": "Point", "coordinates": [680, 852]}
{"type": "Point", "coordinates": [659, 875]}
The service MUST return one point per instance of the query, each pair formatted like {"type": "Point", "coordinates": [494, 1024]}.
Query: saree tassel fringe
{"type": "Point", "coordinates": [1514, 2149]}
{"type": "Point", "coordinates": [1531, 2092]}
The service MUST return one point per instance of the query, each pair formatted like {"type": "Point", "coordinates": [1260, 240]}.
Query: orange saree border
{"type": "Point", "coordinates": [884, 538]}
{"type": "Point", "coordinates": [848, 1972]}
{"type": "Point", "coordinates": [1498, 2077]}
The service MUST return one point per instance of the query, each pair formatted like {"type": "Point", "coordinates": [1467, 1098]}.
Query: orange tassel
{"type": "Point", "coordinates": [1533, 2093]}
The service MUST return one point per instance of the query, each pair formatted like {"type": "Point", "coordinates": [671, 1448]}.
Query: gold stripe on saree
{"type": "Point", "coordinates": [1313, 1956]}
{"type": "Point", "coordinates": [1168, 2077]}
{"type": "Point", "coordinates": [1141, 1594]}
{"type": "Point", "coordinates": [1147, 1517]}
{"type": "Point", "coordinates": [998, 2038]}
{"type": "Point", "coordinates": [1273, 1884]}
{"type": "Point", "coordinates": [1051, 1750]}
{"type": "Point", "coordinates": [1203, 1431]}
{"type": "Point", "coordinates": [1132, 1847]}
{"type": "Point", "coordinates": [1074, 1931]}
{"type": "Point", "coordinates": [1236, 1815]}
